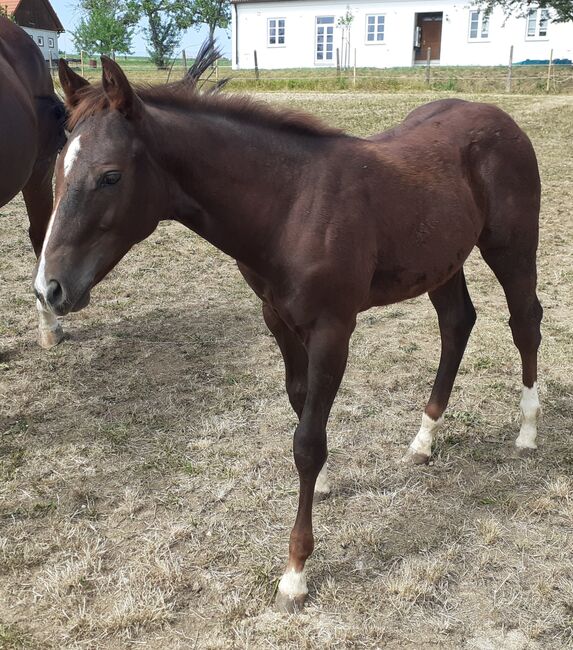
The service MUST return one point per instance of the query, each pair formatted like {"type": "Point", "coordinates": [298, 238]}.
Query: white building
{"type": "Point", "coordinates": [37, 18]}
{"type": "Point", "coordinates": [307, 33]}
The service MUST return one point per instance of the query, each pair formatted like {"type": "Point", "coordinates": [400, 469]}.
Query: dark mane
{"type": "Point", "coordinates": [189, 95]}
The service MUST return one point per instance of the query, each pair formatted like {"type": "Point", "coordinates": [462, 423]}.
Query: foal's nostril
{"type": "Point", "coordinates": [54, 293]}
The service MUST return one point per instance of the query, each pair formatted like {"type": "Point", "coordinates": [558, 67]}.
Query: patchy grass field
{"type": "Point", "coordinates": [146, 482]}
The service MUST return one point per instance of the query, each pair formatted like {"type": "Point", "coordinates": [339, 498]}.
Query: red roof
{"type": "Point", "coordinates": [33, 13]}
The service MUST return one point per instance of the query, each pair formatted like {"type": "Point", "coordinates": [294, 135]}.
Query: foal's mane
{"type": "Point", "coordinates": [189, 95]}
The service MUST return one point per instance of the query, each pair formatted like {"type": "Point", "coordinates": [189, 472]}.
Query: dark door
{"type": "Point", "coordinates": [429, 28]}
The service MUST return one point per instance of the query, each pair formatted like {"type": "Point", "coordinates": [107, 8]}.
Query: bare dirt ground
{"type": "Point", "coordinates": [147, 487]}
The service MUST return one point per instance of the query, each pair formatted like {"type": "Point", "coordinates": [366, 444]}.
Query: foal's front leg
{"type": "Point", "coordinates": [295, 359]}
{"type": "Point", "coordinates": [327, 348]}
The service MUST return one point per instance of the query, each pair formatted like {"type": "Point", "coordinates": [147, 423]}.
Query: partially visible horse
{"type": "Point", "coordinates": [323, 225]}
{"type": "Point", "coordinates": [32, 120]}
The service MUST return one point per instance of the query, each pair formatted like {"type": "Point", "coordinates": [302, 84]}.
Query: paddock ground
{"type": "Point", "coordinates": [147, 487]}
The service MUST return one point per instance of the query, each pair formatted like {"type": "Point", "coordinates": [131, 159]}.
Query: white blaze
{"type": "Point", "coordinates": [71, 155]}
{"type": "Point", "coordinates": [530, 409]}
{"type": "Point", "coordinates": [41, 281]}
{"type": "Point", "coordinates": [422, 443]}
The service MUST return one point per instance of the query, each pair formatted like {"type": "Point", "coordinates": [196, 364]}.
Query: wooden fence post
{"type": "Point", "coordinates": [338, 62]}
{"type": "Point", "coordinates": [549, 69]}
{"type": "Point", "coordinates": [509, 71]}
{"type": "Point", "coordinates": [256, 67]}
{"type": "Point", "coordinates": [428, 58]}
{"type": "Point", "coordinates": [184, 55]}
{"type": "Point", "coordinates": [354, 79]}
{"type": "Point", "coordinates": [82, 62]}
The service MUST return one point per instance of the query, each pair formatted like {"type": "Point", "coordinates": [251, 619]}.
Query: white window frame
{"type": "Point", "coordinates": [41, 41]}
{"type": "Point", "coordinates": [480, 37]}
{"type": "Point", "coordinates": [276, 28]}
{"type": "Point", "coordinates": [376, 40]}
{"type": "Point", "coordinates": [324, 61]}
{"type": "Point", "coordinates": [51, 42]}
{"type": "Point", "coordinates": [538, 15]}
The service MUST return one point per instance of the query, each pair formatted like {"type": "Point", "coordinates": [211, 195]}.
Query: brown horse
{"type": "Point", "coordinates": [32, 120]}
{"type": "Point", "coordinates": [322, 224]}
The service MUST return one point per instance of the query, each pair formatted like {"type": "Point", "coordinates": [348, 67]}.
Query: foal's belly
{"type": "Point", "coordinates": [409, 270]}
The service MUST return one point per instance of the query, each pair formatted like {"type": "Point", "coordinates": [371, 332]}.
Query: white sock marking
{"type": "Point", "coordinates": [41, 283]}
{"type": "Point", "coordinates": [293, 584]}
{"type": "Point", "coordinates": [322, 484]}
{"type": "Point", "coordinates": [71, 155]}
{"type": "Point", "coordinates": [530, 409]}
{"type": "Point", "coordinates": [48, 321]}
{"type": "Point", "coordinates": [422, 443]}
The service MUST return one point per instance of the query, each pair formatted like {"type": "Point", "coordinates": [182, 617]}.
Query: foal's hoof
{"type": "Point", "coordinates": [286, 604]}
{"type": "Point", "coordinates": [525, 452]}
{"type": "Point", "coordinates": [48, 338]}
{"type": "Point", "coordinates": [412, 457]}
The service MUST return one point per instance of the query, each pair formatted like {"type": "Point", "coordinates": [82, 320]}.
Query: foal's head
{"type": "Point", "coordinates": [109, 190]}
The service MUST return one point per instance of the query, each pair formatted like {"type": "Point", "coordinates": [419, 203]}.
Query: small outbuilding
{"type": "Point", "coordinates": [37, 18]}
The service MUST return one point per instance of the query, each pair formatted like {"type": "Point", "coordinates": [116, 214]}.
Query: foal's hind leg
{"type": "Point", "coordinates": [517, 274]}
{"type": "Point", "coordinates": [39, 202]}
{"type": "Point", "coordinates": [296, 374]}
{"type": "Point", "coordinates": [456, 316]}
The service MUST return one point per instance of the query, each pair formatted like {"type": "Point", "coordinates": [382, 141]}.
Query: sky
{"type": "Point", "coordinates": [69, 16]}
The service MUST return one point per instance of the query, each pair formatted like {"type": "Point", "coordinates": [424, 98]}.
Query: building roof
{"type": "Point", "coordinates": [243, 2]}
{"type": "Point", "coordinates": [38, 14]}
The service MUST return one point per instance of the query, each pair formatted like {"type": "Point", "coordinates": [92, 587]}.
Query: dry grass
{"type": "Point", "coordinates": [146, 480]}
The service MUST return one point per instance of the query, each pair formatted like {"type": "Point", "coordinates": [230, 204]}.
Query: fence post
{"type": "Point", "coordinates": [184, 55]}
{"type": "Point", "coordinates": [549, 69]}
{"type": "Point", "coordinates": [354, 79]}
{"type": "Point", "coordinates": [52, 65]}
{"type": "Point", "coordinates": [428, 58]}
{"type": "Point", "coordinates": [338, 62]}
{"type": "Point", "coordinates": [509, 71]}
{"type": "Point", "coordinates": [256, 67]}
{"type": "Point", "coordinates": [217, 70]}
{"type": "Point", "coordinates": [82, 62]}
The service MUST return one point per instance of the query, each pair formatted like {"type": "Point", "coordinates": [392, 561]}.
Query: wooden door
{"type": "Point", "coordinates": [431, 36]}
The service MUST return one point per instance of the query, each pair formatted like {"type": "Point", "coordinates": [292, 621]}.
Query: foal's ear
{"type": "Point", "coordinates": [121, 95]}
{"type": "Point", "coordinates": [71, 82]}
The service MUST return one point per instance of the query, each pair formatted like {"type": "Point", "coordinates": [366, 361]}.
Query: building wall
{"type": "Point", "coordinates": [42, 39]}
{"type": "Point", "coordinates": [250, 28]}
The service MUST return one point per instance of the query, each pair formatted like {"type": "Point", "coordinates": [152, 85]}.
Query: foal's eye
{"type": "Point", "coordinates": [110, 178]}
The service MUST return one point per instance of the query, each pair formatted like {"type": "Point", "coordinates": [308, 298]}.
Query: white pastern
{"type": "Point", "coordinates": [422, 443]}
{"type": "Point", "coordinates": [322, 484]}
{"type": "Point", "coordinates": [71, 155]}
{"type": "Point", "coordinates": [293, 584]}
{"type": "Point", "coordinates": [48, 321]}
{"type": "Point", "coordinates": [530, 410]}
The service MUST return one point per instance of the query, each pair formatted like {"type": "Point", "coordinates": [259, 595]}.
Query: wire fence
{"type": "Point", "coordinates": [534, 78]}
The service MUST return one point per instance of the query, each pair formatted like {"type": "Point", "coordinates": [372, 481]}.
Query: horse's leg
{"type": "Point", "coordinates": [39, 203]}
{"type": "Point", "coordinates": [516, 271]}
{"type": "Point", "coordinates": [456, 317]}
{"type": "Point", "coordinates": [296, 377]}
{"type": "Point", "coordinates": [327, 347]}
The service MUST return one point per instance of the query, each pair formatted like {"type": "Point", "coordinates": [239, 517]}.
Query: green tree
{"type": "Point", "coordinates": [213, 13]}
{"type": "Point", "coordinates": [106, 27]}
{"type": "Point", "coordinates": [163, 32]}
{"type": "Point", "coordinates": [561, 10]}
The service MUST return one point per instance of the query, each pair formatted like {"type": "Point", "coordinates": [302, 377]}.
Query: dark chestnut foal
{"type": "Point", "coordinates": [323, 225]}
{"type": "Point", "coordinates": [32, 132]}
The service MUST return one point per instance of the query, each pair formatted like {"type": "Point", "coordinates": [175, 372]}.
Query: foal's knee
{"type": "Point", "coordinates": [526, 326]}
{"type": "Point", "coordinates": [310, 452]}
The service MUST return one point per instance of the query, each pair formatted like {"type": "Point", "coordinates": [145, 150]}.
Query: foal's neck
{"type": "Point", "coordinates": [234, 182]}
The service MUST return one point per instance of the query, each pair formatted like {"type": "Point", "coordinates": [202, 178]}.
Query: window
{"type": "Point", "coordinates": [324, 39]}
{"type": "Point", "coordinates": [537, 23]}
{"type": "Point", "coordinates": [50, 42]}
{"type": "Point", "coordinates": [375, 28]}
{"type": "Point", "coordinates": [41, 41]}
{"type": "Point", "coordinates": [479, 25]}
{"type": "Point", "coordinates": [276, 32]}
